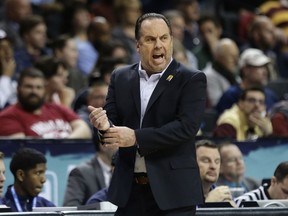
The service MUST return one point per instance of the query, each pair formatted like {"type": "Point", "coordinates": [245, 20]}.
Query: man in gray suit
{"type": "Point", "coordinates": [89, 177]}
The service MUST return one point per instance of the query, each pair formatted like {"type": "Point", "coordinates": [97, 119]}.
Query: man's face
{"type": "Point", "coordinates": [254, 103]}
{"type": "Point", "coordinates": [256, 75]}
{"type": "Point", "coordinates": [210, 32]}
{"type": "Point", "coordinates": [191, 11]}
{"type": "Point", "coordinates": [208, 160]}
{"type": "Point", "coordinates": [34, 179]}
{"type": "Point", "coordinates": [58, 81]}
{"type": "Point", "coordinates": [37, 36]}
{"type": "Point", "coordinates": [97, 97]}
{"type": "Point", "coordinates": [178, 26]}
{"type": "Point", "coordinates": [70, 53]}
{"type": "Point", "coordinates": [31, 93]}
{"type": "Point", "coordinates": [155, 45]}
{"type": "Point", "coordinates": [280, 189]}
{"type": "Point", "coordinates": [232, 163]}
{"type": "Point", "coordinates": [2, 176]}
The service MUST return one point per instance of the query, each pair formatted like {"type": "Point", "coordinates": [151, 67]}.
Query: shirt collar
{"type": "Point", "coordinates": [143, 74]}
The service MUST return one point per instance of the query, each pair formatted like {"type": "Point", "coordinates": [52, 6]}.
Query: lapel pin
{"type": "Point", "coordinates": [169, 78]}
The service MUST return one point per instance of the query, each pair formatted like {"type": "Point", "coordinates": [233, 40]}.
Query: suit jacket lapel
{"type": "Point", "coordinates": [135, 87]}
{"type": "Point", "coordinates": [164, 81]}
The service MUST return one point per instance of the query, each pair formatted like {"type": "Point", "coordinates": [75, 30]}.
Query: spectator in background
{"type": "Point", "coordinates": [96, 97]}
{"type": "Point", "coordinates": [64, 49]}
{"type": "Point", "coordinates": [232, 169]}
{"type": "Point", "coordinates": [15, 11]}
{"type": "Point", "coordinates": [177, 21]}
{"type": "Point", "coordinates": [114, 54]}
{"type": "Point", "coordinates": [33, 33]}
{"type": "Point", "coordinates": [33, 117]}
{"type": "Point", "coordinates": [7, 69]}
{"type": "Point", "coordinates": [2, 174]}
{"type": "Point", "coordinates": [208, 159]}
{"type": "Point", "coordinates": [79, 20]}
{"type": "Point", "coordinates": [277, 189]}
{"type": "Point", "coordinates": [246, 120]}
{"type": "Point", "coordinates": [126, 13]}
{"type": "Point", "coordinates": [222, 71]}
{"type": "Point", "coordinates": [262, 35]}
{"type": "Point", "coordinates": [28, 167]}
{"type": "Point", "coordinates": [180, 54]}
{"type": "Point", "coordinates": [253, 68]}
{"type": "Point", "coordinates": [89, 177]}
{"type": "Point", "coordinates": [277, 12]}
{"type": "Point", "coordinates": [279, 118]}
{"type": "Point", "coordinates": [56, 75]}
{"type": "Point", "coordinates": [98, 33]}
{"type": "Point", "coordinates": [191, 12]}
{"type": "Point", "coordinates": [210, 31]}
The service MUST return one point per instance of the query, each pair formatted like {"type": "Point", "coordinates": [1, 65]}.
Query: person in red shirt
{"type": "Point", "coordinates": [279, 119]}
{"type": "Point", "coordinates": [32, 116]}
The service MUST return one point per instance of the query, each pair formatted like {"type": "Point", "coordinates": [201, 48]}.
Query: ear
{"type": "Point", "coordinates": [20, 175]}
{"type": "Point", "coordinates": [137, 46]}
{"type": "Point", "coordinates": [273, 180]}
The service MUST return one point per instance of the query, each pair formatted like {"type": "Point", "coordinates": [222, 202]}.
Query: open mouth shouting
{"type": "Point", "coordinates": [158, 58]}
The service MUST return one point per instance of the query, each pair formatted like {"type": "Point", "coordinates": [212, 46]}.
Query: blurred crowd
{"type": "Point", "coordinates": [57, 56]}
{"type": "Point", "coordinates": [77, 44]}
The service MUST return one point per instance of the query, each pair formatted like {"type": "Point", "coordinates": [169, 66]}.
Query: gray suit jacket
{"type": "Point", "coordinates": [83, 181]}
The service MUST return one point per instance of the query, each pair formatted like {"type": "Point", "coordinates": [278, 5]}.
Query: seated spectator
{"type": "Point", "coordinates": [210, 31]}
{"type": "Point", "coordinates": [221, 73]}
{"type": "Point", "coordinates": [28, 167]}
{"type": "Point", "coordinates": [64, 48]}
{"type": "Point", "coordinates": [2, 174]}
{"type": "Point", "coordinates": [208, 159]}
{"type": "Point", "coordinates": [56, 74]}
{"type": "Point", "coordinates": [232, 169]}
{"type": "Point", "coordinates": [253, 66]}
{"type": "Point", "coordinates": [14, 12]}
{"type": "Point", "coordinates": [177, 22]}
{"type": "Point", "coordinates": [246, 120]}
{"type": "Point", "coordinates": [90, 176]}
{"type": "Point", "coordinates": [7, 69]}
{"type": "Point", "coordinates": [277, 189]}
{"type": "Point", "coordinates": [96, 97]}
{"type": "Point", "coordinates": [126, 13]}
{"type": "Point", "coordinates": [33, 32]}
{"type": "Point", "coordinates": [33, 117]}
{"type": "Point", "coordinates": [263, 35]}
{"type": "Point", "coordinates": [279, 119]}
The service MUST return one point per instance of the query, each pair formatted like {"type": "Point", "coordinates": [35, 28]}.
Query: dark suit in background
{"type": "Point", "coordinates": [83, 181]}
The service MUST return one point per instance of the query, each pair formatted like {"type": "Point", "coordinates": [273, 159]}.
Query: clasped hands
{"type": "Point", "coordinates": [114, 136]}
{"type": "Point", "coordinates": [220, 194]}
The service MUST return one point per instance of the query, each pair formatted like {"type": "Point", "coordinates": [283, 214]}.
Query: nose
{"type": "Point", "coordinates": [158, 43]}
{"type": "Point", "coordinates": [2, 177]}
{"type": "Point", "coordinates": [213, 165]}
{"type": "Point", "coordinates": [43, 179]}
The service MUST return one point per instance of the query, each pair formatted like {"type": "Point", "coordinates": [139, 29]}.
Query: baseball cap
{"type": "Point", "coordinates": [253, 57]}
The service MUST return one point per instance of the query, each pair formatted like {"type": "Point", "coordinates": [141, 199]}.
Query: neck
{"type": "Point", "coordinates": [233, 179]}
{"type": "Point", "coordinates": [33, 51]}
{"type": "Point", "coordinates": [19, 190]}
{"type": "Point", "coordinates": [105, 158]}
